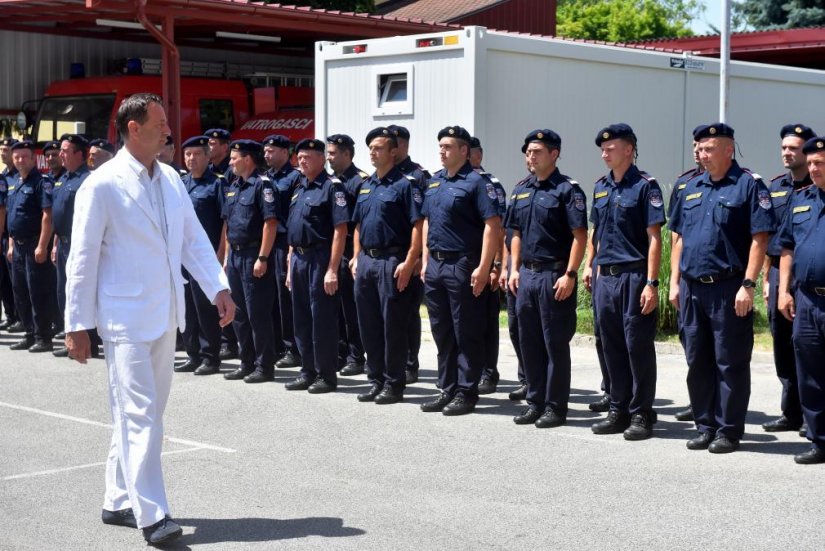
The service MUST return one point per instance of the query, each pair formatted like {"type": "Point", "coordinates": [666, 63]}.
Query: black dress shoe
{"type": "Point", "coordinates": [519, 394]}
{"type": "Point", "coordinates": [5, 324]}
{"type": "Point", "coordinates": [411, 376]}
{"type": "Point", "coordinates": [685, 414]}
{"type": "Point", "coordinates": [803, 431]}
{"type": "Point", "coordinates": [782, 424]}
{"type": "Point", "coordinates": [301, 383]}
{"type": "Point", "coordinates": [528, 416]}
{"type": "Point", "coordinates": [487, 386]}
{"type": "Point", "coordinates": [321, 386]}
{"type": "Point", "coordinates": [437, 404]}
{"type": "Point", "coordinates": [162, 531]}
{"type": "Point", "coordinates": [701, 442]}
{"type": "Point", "coordinates": [615, 422]}
{"type": "Point", "coordinates": [389, 396]}
{"type": "Point", "coordinates": [259, 376]}
{"type": "Point", "coordinates": [16, 327]}
{"type": "Point", "coordinates": [60, 335]}
{"type": "Point", "coordinates": [209, 367]}
{"type": "Point", "coordinates": [61, 352]}
{"type": "Point", "coordinates": [723, 444]}
{"type": "Point", "coordinates": [41, 346]}
{"type": "Point", "coordinates": [23, 344]}
{"type": "Point", "coordinates": [288, 361]}
{"type": "Point", "coordinates": [459, 405]}
{"type": "Point", "coordinates": [351, 369]}
{"type": "Point", "coordinates": [124, 517]}
{"type": "Point", "coordinates": [641, 426]}
{"type": "Point", "coordinates": [188, 366]}
{"type": "Point", "coordinates": [228, 353]}
{"type": "Point", "coordinates": [239, 373]}
{"type": "Point", "coordinates": [370, 395]}
{"type": "Point", "coordinates": [601, 405]}
{"type": "Point", "coordinates": [811, 457]}
{"type": "Point", "coordinates": [550, 419]}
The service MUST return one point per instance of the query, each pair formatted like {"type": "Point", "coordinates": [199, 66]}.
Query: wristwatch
{"type": "Point", "coordinates": [572, 273]}
{"type": "Point", "coordinates": [263, 258]}
{"type": "Point", "coordinates": [497, 265]}
{"type": "Point", "coordinates": [748, 284]}
{"type": "Point", "coordinates": [653, 282]}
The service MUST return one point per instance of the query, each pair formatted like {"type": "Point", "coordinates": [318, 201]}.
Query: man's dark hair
{"type": "Point", "coordinates": [134, 108]}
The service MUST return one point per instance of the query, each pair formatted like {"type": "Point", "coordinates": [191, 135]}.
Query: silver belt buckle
{"type": "Point", "coordinates": [706, 279]}
{"type": "Point", "coordinates": [820, 291]}
{"type": "Point", "coordinates": [611, 271]}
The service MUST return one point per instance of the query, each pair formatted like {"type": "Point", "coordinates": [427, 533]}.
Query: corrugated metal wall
{"type": "Point", "coordinates": [31, 61]}
{"type": "Point", "coordinates": [525, 16]}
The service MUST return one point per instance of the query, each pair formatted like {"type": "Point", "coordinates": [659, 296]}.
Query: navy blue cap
{"type": "Point", "coordinates": [614, 132]}
{"type": "Point", "coordinates": [715, 130]}
{"type": "Point", "coordinates": [246, 146]}
{"type": "Point", "coordinates": [340, 139]}
{"type": "Point", "coordinates": [399, 131]}
{"type": "Point", "coordinates": [381, 132]}
{"type": "Point", "coordinates": [195, 141]}
{"type": "Point", "coordinates": [455, 131]}
{"type": "Point", "coordinates": [23, 144]}
{"type": "Point", "coordinates": [8, 142]}
{"type": "Point", "coordinates": [814, 145]}
{"type": "Point", "coordinates": [218, 133]}
{"type": "Point", "coordinates": [545, 136]}
{"type": "Point", "coordinates": [51, 144]}
{"type": "Point", "coordinates": [75, 139]}
{"type": "Point", "coordinates": [798, 130]}
{"type": "Point", "coordinates": [475, 143]}
{"type": "Point", "coordinates": [277, 140]}
{"type": "Point", "coordinates": [103, 144]}
{"type": "Point", "coordinates": [310, 144]}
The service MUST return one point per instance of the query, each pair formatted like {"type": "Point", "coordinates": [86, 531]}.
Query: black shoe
{"type": "Point", "coordinates": [321, 386]}
{"type": "Point", "coordinates": [301, 383]}
{"type": "Point", "coordinates": [685, 414]}
{"type": "Point", "coordinates": [458, 406]}
{"type": "Point", "coordinates": [162, 531]}
{"type": "Point", "coordinates": [61, 352]}
{"type": "Point", "coordinates": [811, 457]}
{"type": "Point", "coordinates": [370, 395]}
{"type": "Point", "coordinates": [5, 324]}
{"type": "Point", "coordinates": [782, 424]}
{"type": "Point", "coordinates": [41, 346]}
{"type": "Point", "coordinates": [259, 376]}
{"type": "Point", "coordinates": [227, 353]}
{"type": "Point", "coordinates": [487, 386]}
{"type": "Point", "coordinates": [238, 374]}
{"type": "Point", "coordinates": [437, 404]}
{"type": "Point", "coordinates": [60, 335]}
{"type": "Point", "coordinates": [389, 396]}
{"type": "Point", "coordinates": [188, 366]}
{"type": "Point", "coordinates": [803, 431]}
{"type": "Point", "coordinates": [550, 419]}
{"type": "Point", "coordinates": [528, 416]}
{"type": "Point", "coordinates": [615, 422]}
{"type": "Point", "coordinates": [23, 344]}
{"type": "Point", "coordinates": [351, 369]}
{"type": "Point", "coordinates": [411, 376]}
{"type": "Point", "coordinates": [723, 444]}
{"type": "Point", "coordinates": [601, 405]}
{"type": "Point", "coordinates": [641, 426]}
{"type": "Point", "coordinates": [209, 367]}
{"type": "Point", "coordinates": [519, 394]}
{"type": "Point", "coordinates": [701, 442]}
{"type": "Point", "coordinates": [16, 327]}
{"type": "Point", "coordinates": [288, 361]}
{"type": "Point", "coordinates": [124, 517]}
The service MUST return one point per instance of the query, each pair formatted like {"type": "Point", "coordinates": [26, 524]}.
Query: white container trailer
{"type": "Point", "coordinates": [500, 86]}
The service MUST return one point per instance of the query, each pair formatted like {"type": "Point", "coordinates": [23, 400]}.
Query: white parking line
{"type": "Point", "coordinates": [199, 445]}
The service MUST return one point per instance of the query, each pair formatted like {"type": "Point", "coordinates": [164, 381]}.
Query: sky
{"type": "Point", "coordinates": [713, 14]}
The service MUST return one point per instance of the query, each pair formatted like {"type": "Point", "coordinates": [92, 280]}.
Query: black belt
{"type": "Point", "coordinates": [554, 266]}
{"type": "Point", "coordinates": [819, 291]}
{"type": "Point", "coordinates": [775, 261]}
{"type": "Point", "coordinates": [377, 253]}
{"type": "Point", "coordinates": [241, 247]}
{"type": "Point", "coordinates": [616, 269]}
{"type": "Point", "coordinates": [448, 255]}
{"type": "Point", "coordinates": [306, 248]}
{"type": "Point", "coordinates": [25, 241]}
{"type": "Point", "coordinates": [721, 276]}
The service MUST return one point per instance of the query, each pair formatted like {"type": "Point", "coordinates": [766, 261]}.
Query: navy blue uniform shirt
{"type": "Point", "coordinates": [315, 208]}
{"type": "Point", "coordinates": [222, 168]}
{"type": "Point", "coordinates": [782, 188]}
{"type": "Point", "coordinates": [248, 204]}
{"type": "Point", "coordinates": [207, 195]}
{"type": "Point", "coordinates": [3, 190]}
{"type": "Point", "coordinates": [420, 177]}
{"type": "Point", "coordinates": [501, 195]}
{"type": "Point", "coordinates": [678, 187]}
{"type": "Point", "coordinates": [63, 197]}
{"type": "Point", "coordinates": [718, 219]}
{"type": "Point", "coordinates": [803, 232]}
{"type": "Point", "coordinates": [25, 202]}
{"type": "Point", "coordinates": [456, 209]}
{"type": "Point", "coordinates": [508, 214]}
{"type": "Point", "coordinates": [352, 178]}
{"type": "Point", "coordinates": [387, 209]}
{"type": "Point", "coordinates": [545, 213]}
{"type": "Point", "coordinates": [622, 212]}
{"type": "Point", "coordinates": [285, 180]}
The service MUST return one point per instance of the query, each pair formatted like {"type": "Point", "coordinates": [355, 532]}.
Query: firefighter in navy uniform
{"type": "Point", "coordinates": [724, 219]}
{"type": "Point", "coordinates": [802, 295]}
{"type": "Point", "coordinates": [11, 322]}
{"type": "Point", "coordinates": [340, 151]}
{"type": "Point", "coordinates": [462, 232]}
{"type": "Point", "coordinates": [285, 179]}
{"type": "Point", "coordinates": [251, 213]}
{"type": "Point", "coordinates": [100, 152]}
{"type": "Point", "coordinates": [51, 153]}
{"type": "Point", "coordinates": [419, 177]}
{"type": "Point", "coordinates": [793, 138]}
{"type": "Point", "coordinates": [202, 337]}
{"type": "Point", "coordinates": [29, 217]}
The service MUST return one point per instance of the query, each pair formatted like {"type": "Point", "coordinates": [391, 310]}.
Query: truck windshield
{"type": "Point", "coordinates": [85, 115]}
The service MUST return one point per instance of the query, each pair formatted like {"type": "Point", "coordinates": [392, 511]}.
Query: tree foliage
{"type": "Point", "coordinates": [626, 20]}
{"type": "Point", "coordinates": [777, 14]}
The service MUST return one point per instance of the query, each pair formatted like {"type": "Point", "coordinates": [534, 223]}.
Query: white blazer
{"type": "Point", "coordinates": [120, 268]}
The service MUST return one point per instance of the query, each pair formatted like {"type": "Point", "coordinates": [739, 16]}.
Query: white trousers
{"type": "Point", "coordinates": [140, 376]}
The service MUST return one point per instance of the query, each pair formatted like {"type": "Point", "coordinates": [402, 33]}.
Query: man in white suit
{"type": "Point", "coordinates": [134, 227]}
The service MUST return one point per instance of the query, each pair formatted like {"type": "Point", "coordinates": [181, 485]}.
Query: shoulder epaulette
{"type": "Point", "coordinates": [334, 180]}
{"type": "Point", "coordinates": [804, 188]}
{"type": "Point", "coordinates": [363, 174]}
{"type": "Point", "coordinates": [691, 171]}
{"type": "Point", "coordinates": [265, 178]}
{"type": "Point", "coordinates": [410, 178]}
{"type": "Point", "coordinates": [777, 177]}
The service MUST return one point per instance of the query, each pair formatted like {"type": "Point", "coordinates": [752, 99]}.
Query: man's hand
{"type": "Point", "coordinates": [259, 269]}
{"type": "Point", "coordinates": [478, 280]}
{"type": "Point", "coordinates": [353, 266]}
{"type": "Point", "coordinates": [79, 345]}
{"type": "Point", "coordinates": [494, 275]}
{"type": "Point", "coordinates": [403, 273]}
{"type": "Point", "coordinates": [330, 282]}
{"type": "Point", "coordinates": [587, 279]}
{"type": "Point", "coordinates": [564, 287]}
{"type": "Point", "coordinates": [423, 269]}
{"type": "Point", "coordinates": [514, 280]}
{"type": "Point", "coordinates": [766, 290]}
{"type": "Point", "coordinates": [54, 254]}
{"type": "Point", "coordinates": [786, 306]}
{"type": "Point", "coordinates": [226, 307]}
{"type": "Point", "coordinates": [40, 254]}
{"type": "Point", "coordinates": [503, 278]}
{"type": "Point", "coordinates": [673, 295]}
{"type": "Point", "coordinates": [744, 301]}
{"type": "Point", "coordinates": [649, 299]}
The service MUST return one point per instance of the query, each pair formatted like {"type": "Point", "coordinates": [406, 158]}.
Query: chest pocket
{"type": "Point", "coordinates": [726, 210]}
{"type": "Point", "coordinates": [247, 199]}
{"type": "Point", "coordinates": [459, 197]}
{"type": "Point", "coordinates": [545, 204]}
{"type": "Point", "coordinates": [26, 198]}
{"type": "Point", "coordinates": [387, 196]}
{"type": "Point", "coordinates": [313, 204]}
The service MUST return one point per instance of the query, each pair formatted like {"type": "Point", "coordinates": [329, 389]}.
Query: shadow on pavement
{"type": "Point", "coordinates": [218, 530]}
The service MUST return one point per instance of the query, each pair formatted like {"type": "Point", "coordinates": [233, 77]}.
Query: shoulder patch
{"type": "Point", "coordinates": [803, 208]}
{"type": "Point", "coordinates": [764, 199]}
{"type": "Point", "coordinates": [416, 194]}
{"type": "Point", "coordinates": [340, 199]}
{"type": "Point", "coordinates": [269, 195]}
{"type": "Point", "coordinates": [656, 200]}
{"type": "Point", "coordinates": [578, 201]}
{"type": "Point", "coordinates": [491, 191]}
{"type": "Point", "coordinates": [600, 194]}
{"type": "Point", "coordinates": [693, 196]}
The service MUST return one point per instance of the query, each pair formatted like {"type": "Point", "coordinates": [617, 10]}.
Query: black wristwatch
{"type": "Point", "coordinates": [497, 265]}
{"type": "Point", "coordinates": [653, 282]}
{"type": "Point", "coordinates": [748, 284]}
{"type": "Point", "coordinates": [263, 258]}
{"type": "Point", "coordinates": [572, 273]}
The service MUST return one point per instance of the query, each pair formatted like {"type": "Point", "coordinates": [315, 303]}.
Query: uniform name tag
{"type": "Point", "coordinates": [682, 186]}
{"type": "Point", "coordinates": [779, 193]}
{"type": "Point", "coordinates": [693, 196]}
{"type": "Point", "coordinates": [600, 194]}
{"type": "Point", "coordinates": [434, 184]}
{"type": "Point", "coordinates": [230, 194]}
{"type": "Point", "coordinates": [11, 188]}
{"type": "Point", "coordinates": [364, 191]}
{"type": "Point", "coordinates": [522, 196]}
{"type": "Point", "coordinates": [803, 208]}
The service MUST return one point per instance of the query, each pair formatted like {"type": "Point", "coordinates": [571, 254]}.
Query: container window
{"type": "Point", "coordinates": [394, 91]}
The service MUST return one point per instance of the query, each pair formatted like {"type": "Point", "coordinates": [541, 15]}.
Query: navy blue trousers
{"type": "Point", "coordinates": [783, 352]}
{"type": "Point", "coordinates": [597, 336]}
{"type": "Point", "coordinates": [34, 290]}
{"type": "Point", "coordinates": [283, 297]}
{"type": "Point", "coordinates": [809, 345]}
{"type": "Point", "coordinates": [253, 297]}
{"type": "Point", "coordinates": [491, 339]}
{"type": "Point", "coordinates": [6, 289]}
{"type": "Point", "coordinates": [350, 348]}
{"type": "Point", "coordinates": [515, 339]}
{"type": "Point", "coordinates": [414, 323]}
{"type": "Point", "coordinates": [202, 336]}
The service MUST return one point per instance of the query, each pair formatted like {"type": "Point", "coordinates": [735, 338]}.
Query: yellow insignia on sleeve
{"type": "Point", "coordinates": [779, 193]}
{"type": "Point", "coordinates": [682, 186]}
{"type": "Point", "coordinates": [803, 208]}
{"type": "Point", "coordinates": [693, 196]}
{"type": "Point", "coordinates": [600, 194]}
